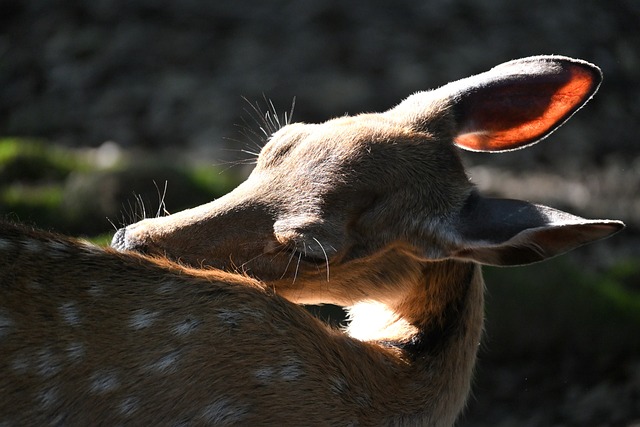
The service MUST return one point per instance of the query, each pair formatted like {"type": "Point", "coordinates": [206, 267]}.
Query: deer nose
{"type": "Point", "coordinates": [122, 242]}
{"type": "Point", "coordinates": [118, 240]}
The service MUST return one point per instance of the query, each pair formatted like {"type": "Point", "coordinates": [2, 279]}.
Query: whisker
{"type": "Point", "coordinates": [273, 118]}
{"type": "Point", "coordinates": [287, 120]}
{"type": "Point", "coordinates": [162, 211]}
{"type": "Point", "coordinates": [251, 259]}
{"type": "Point", "coordinates": [233, 163]}
{"type": "Point", "coordinates": [248, 131]}
{"type": "Point", "coordinates": [234, 267]}
{"type": "Point", "coordinates": [126, 213]}
{"type": "Point", "coordinates": [287, 267]}
{"type": "Point", "coordinates": [132, 213]}
{"type": "Point", "coordinates": [141, 205]}
{"type": "Point", "coordinates": [253, 153]}
{"type": "Point", "coordinates": [112, 224]}
{"type": "Point", "coordinates": [257, 114]}
{"type": "Point", "coordinates": [265, 122]}
{"type": "Point", "coordinates": [326, 258]}
{"type": "Point", "coordinates": [295, 274]}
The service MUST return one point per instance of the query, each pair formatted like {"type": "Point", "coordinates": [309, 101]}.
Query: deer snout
{"type": "Point", "coordinates": [124, 240]}
{"type": "Point", "coordinates": [119, 239]}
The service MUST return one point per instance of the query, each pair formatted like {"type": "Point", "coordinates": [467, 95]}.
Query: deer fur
{"type": "Point", "coordinates": [374, 212]}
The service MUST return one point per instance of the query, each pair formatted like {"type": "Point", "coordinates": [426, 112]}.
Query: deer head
{"type": "Point", "coordinates": [345, 196]}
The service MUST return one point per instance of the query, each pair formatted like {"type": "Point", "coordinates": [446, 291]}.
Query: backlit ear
{"type": "Point", "coordinates": [518, 103]}
{"type": "Point", "coordinates": [508, 107]}
{"type": "Point", "coordinates": [513, 232]}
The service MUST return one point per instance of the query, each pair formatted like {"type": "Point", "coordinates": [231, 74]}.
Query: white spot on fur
{"type": "Point", "coordinates": [363, 400]}
{"type": "Point", "coordinates": [34, 285]}
{"type": "Point", "coordinates": [234, 317]}
{"type": "Point", "coordinates": [292, 370]}
{"type": "Point", "coordinates": [256, 314]}
{"type": "Point", "coordinates": [167, 287]}
{"type": "Point", "coordinates": [6, 324]}
{"type": "Point", "coordinates": [58, 249]}
{"type": "Point", "coordinates": [70, 314]}
{"type": "Point", "coordinates": [128, 406]}
{"type": "Point", "coordinates": [33, 246]}
{"type": "Point", "coordinates": [166, 363]}
{"type": "Point", "coordinates": [265, 374]}
{"type": "Point", "coordinates": [224, 412]}
{"type": "Point", "coordinates": [103, 382]}
{"type": "Point", "coordinates": [142, 319]}
{"type": "Point", "coordinates": [95, 289]}
{"type": "Point", "coordinates": [338, 385]}
{"type": "Point", "coordinates": [75, 351]}
{"type": "Point", "coordinates": [6, 244]}
{"type": "Point", "coordinates": [47, 364]}
{"type": "Point", "coordinates": [48, 397]}
{"type": "Point", "coordinates": [186, 327]}
{"type": "Point", "coordinates": [229, 317]}
{"type": "Point", "coordinates": [20, 364]}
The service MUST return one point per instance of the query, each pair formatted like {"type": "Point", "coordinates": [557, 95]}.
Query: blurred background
{"type": "Point", "coordinates": [110, 106]}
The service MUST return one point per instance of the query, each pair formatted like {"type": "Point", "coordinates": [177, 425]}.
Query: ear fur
{"type": "Point", "coordinates": [507, 232]}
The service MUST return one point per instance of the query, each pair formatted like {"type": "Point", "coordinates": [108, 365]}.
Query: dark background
{"type": "Point", "coordinates": [169, 77]}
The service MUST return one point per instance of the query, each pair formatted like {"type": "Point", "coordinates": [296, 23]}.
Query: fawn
{"type": "Point", "coordinates": [373, 212]}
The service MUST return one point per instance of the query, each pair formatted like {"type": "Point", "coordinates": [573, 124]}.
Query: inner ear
{"type": "Point", "coordinates": [518, 103]}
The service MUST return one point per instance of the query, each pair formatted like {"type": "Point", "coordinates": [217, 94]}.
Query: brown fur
{"type": "Point", "coordinates": [373, 211]}
{"type": "Point", "coordinates": [72, 354]}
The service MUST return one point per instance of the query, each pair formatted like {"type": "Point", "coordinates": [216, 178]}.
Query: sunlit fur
{"type": "Point", "coordinates": [373, 211]}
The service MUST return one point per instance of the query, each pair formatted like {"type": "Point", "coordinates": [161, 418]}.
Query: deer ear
{"type": "Point", "coordinates": [508, 107]}
{"type": "Point", "coordinates": [513, 232]}
{"type": "Point", "coordinates": [520, 102]}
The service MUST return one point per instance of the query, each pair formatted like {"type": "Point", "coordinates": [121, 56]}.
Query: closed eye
{"type": "Point", "coordinates": [313, 259]}
{"type": "Point", "coordinates": [306, 257]}
{"type": "Point", "coordinates": [293, 252]}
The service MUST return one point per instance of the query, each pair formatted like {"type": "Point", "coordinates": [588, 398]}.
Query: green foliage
{"type": "Point", "coordinates": [212, 180]}
{"type": "Point", "coordinates": [32, 197]}
{"type": "Point", "coordinates": [35, 160]}
{"type": "Point", "coordinates": [75, 191]}
{"type": "Point", "coordinates": [32, 175]}
{"type": "Point", "coordinates": [102, 239]}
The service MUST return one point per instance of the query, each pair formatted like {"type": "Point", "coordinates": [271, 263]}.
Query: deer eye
{"type": "Point", "coordinates": [298, 251]}
{"type": "Point", "coordinates": [308, 257]}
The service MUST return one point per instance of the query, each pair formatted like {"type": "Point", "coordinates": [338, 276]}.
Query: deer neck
{"type": "Point", "coordinates": [436, 326]}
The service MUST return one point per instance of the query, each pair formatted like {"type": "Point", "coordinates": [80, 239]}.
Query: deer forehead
{"type": "Point", "coordinates": [366, 146]}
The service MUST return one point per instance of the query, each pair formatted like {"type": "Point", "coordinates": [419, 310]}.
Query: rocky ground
{"type": "Point", "coordinates": [170, 76]}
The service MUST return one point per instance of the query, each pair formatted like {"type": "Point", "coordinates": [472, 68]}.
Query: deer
{"type": "Point", "coordinates": [198, 317]}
